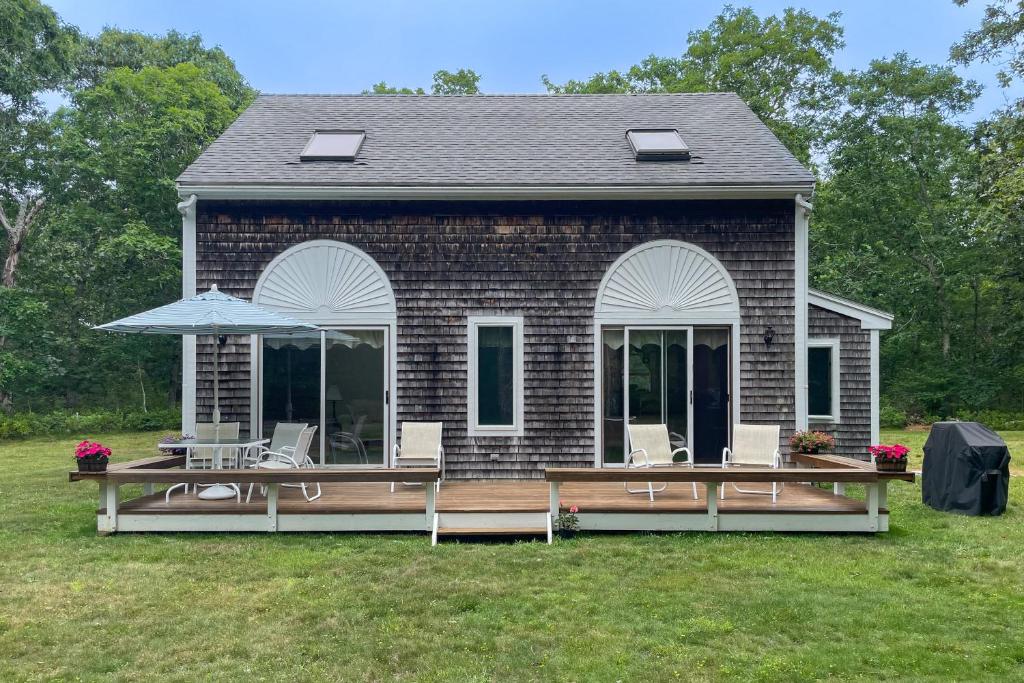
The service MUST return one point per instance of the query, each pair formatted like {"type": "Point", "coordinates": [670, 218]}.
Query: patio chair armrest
{"type": "Point", "coordinates": [778, 459]}
{"type": "Point", "coordinates": [632, 461]}
{"type": "Point", "coordinates": [290, 449]}
{"type": "Point", "coordinates": [396, 450]}
{"type": "Point", "coordinates": [726, 456]}
{"type": "Point", "coordinates": [684, 449]}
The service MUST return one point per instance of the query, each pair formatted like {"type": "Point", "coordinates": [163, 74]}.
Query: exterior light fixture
{"type": "Point", "coordinates": [769, 336]}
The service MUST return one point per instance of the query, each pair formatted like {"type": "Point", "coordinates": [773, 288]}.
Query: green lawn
{"type": "Point", "coordinates": [938, 598]}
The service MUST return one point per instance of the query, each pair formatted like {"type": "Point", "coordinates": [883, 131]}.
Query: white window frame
{"type": "Point", "coordinates": [474, 323]}
{"type": "Point", "coordinates": [834, 347]}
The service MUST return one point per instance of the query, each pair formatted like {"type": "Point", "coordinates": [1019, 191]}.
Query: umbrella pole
{"type": "Point", "coordinates": [216, 375]}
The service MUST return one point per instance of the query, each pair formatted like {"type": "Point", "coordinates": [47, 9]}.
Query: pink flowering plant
{"type": "Point", "coordinates": [884, 453]}
{"type": "Point", "coordinates": [812, 442]}
{"type": "Point", "coordinates": [568, 521]}
{"type": "Point", "coordinates": [91, 450]}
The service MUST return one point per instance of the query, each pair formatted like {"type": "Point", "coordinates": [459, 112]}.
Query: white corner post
{"type": "Point", "coordinates": [187, 209]}
{"type": "Point", "coordinates": [802, 213]}
{"type": "Point", "coordinates": [875, 389]}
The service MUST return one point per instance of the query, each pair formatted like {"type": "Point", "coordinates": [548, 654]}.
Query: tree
{"type": "Point", "coordinates": [37, 54]}
{"type": "Point", "coordinates": [461, 82]}
{"type": "Point", "coordinates": [114, 49]}
{"type": "Point", "coordinates": [780, 66]}
{"type": "Point", "coordinates": [1000, 37]}
{"type": "Point", "coordinates": [895, 220]}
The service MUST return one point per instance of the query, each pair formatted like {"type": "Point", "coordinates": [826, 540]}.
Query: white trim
{"type": "Point", "coordinates": [875, 389]}
{"type": "Point", "coordinates": [801, 215]}
{"type": "Point", "coordinates": [683, 317]}
{"type": "Point", "coordinates": [491, 192]}
{"type": "Point", "coordinates": [387, 312]}
{"type": "Point", "coordinates": [473, 323]}
{"type": "Point", "coordinates": [870, 318]}
{"type": "Point", "coordinates": [833, 345]}
{"type": "Point", "coordinates": [187, 209]}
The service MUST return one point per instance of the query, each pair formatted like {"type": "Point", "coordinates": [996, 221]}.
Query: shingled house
{"type": "Point", "coordinates": [534, 271]}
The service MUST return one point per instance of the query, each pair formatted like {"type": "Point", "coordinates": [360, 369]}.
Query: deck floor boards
{"type": "Point", "coordinates": [500, 496]}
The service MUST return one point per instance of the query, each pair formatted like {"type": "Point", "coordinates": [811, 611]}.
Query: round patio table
{"type": "Point", "coordinates": [217, 491]}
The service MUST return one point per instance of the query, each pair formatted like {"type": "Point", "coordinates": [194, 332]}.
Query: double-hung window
{"type": "Point", "coordinates": [823, 380]}
{"type": "Point", "coordinates": [495, 361]}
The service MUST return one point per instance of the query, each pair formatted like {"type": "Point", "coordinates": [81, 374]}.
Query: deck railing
{"type": "Point", "coordinates": [162, 470]}
{"type": "Point", "coordinates": [821, 469]}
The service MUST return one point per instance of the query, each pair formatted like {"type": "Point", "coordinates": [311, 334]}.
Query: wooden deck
{"type": "Point", "coordinates": [499, 497]}
{"type": "Point", "coordinates": [362, 500]}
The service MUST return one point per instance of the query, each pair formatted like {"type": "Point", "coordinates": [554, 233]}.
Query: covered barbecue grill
{"type": "Point", "coordinates": [966, 469]}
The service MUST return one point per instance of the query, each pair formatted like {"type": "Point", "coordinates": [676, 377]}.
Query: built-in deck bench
{"type": "Point", "coordinates": [798, 510]}
{"type": "Point", "coordinates": [209, 515]}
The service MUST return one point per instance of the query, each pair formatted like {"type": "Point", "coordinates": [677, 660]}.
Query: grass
{"type": "Point", "coordinates": [914, 439]}
{"type": "Point", "coordinates": [938, 598]}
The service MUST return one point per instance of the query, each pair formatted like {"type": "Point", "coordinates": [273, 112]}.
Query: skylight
{"type": "Point", "coordinates": [657, 144]}
{"type": "Point", "coordinates": [333, 145]}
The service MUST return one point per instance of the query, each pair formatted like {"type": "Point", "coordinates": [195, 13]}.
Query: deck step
{"type": "Point", "coordinates": [492, 531]}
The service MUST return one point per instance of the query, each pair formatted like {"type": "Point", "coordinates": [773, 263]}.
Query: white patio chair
{"type": "Point", "coordinates": [650, 447]}
{"type": "Point", "coordinates": [283, 440]}
{"type": "Point", "coordinates": [420, 447]}
{"type": "Point", "coordinates": [296, 459]}
{"type": "Point", "coordinates": [754, 446]}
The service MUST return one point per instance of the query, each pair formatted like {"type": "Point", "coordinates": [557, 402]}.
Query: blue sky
{"type": "Point", "coordinates": [322, 46]}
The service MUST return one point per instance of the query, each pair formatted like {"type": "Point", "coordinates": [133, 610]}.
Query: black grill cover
{"type": "Point", "coordinates": [966, 469]}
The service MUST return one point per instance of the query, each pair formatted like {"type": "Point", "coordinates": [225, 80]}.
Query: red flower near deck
{"type": "Point", "coordinates": [886, 453]}
{"type": "Point", "coordinates": [91, 450]}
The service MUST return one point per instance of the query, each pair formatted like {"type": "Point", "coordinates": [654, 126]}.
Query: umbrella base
{"type": "Point", "coordinates": [218, 492]}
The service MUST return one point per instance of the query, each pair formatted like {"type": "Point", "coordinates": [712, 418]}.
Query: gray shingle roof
{"type": "Point", "coordinates": [497, 140]}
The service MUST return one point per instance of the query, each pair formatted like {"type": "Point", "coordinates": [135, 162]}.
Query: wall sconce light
{"type": "Point", "coordinates": [222, 340]}
{"type": "Point", "coordinates": [769, 336]}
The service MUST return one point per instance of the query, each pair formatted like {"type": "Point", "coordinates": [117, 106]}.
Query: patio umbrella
{"type": "Point", "coordinates": [213, 313]}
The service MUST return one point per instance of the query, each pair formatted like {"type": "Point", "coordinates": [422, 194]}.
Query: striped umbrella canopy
{"type": "Point", "coordinates": [214, 313]}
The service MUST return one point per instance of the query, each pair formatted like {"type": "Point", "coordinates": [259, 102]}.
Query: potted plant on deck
{"type": "Point", "coordinates": [92, 456]}
{"type": "Point", "coordinates": [174, 438]}
{"type": "Point", "coordinates": [890, 458]}
{"type": "Point", "coordinates": [568, 523]}
{"type": "Point", "coordinates": [812, 442]}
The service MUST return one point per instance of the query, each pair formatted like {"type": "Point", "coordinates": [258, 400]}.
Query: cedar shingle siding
{"type": "Point", "coordinates": [543, 261]}
{"type": "Point", "coordinates": [853, 431]}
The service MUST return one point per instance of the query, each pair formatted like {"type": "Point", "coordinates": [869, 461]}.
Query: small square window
{"type": "Point", "coordinates": [657, 144]}
{"type": "Point", "coordinates": [333, 145]}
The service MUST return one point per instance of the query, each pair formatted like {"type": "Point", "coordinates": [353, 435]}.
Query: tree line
{"type": "Point", "coordinates": [916, 211]}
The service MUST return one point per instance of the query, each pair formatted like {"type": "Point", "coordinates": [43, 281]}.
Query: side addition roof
{"type": "Point", "coordinates": [497, 146]}
{"type": "Point", "coordinates": [870, 318]}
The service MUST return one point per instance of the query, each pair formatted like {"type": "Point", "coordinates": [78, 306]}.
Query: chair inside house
{"type": "Point", "coordinates": [420, 447]}
{"type": "Point", "coordinates": [754, 446]}
{"type": "Point", "coordinates": [204, 458]}
{"type": "Point", "coordinates": [284, 440]}
{"type": "Point", "coordinates": [649, 447]}
{"type": "Point", "coordinates": [342, 443]}
{"type": "Point", "coordinates": [297, 458]}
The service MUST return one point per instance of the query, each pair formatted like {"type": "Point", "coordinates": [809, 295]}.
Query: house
{"type": "Point", "coordinates": [530, 270]}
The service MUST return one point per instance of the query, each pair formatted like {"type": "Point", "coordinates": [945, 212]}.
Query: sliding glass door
{"type": "Point", "coordinates": [655, 375]}
{"type": "Point", "coordinates": [336, 380]}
